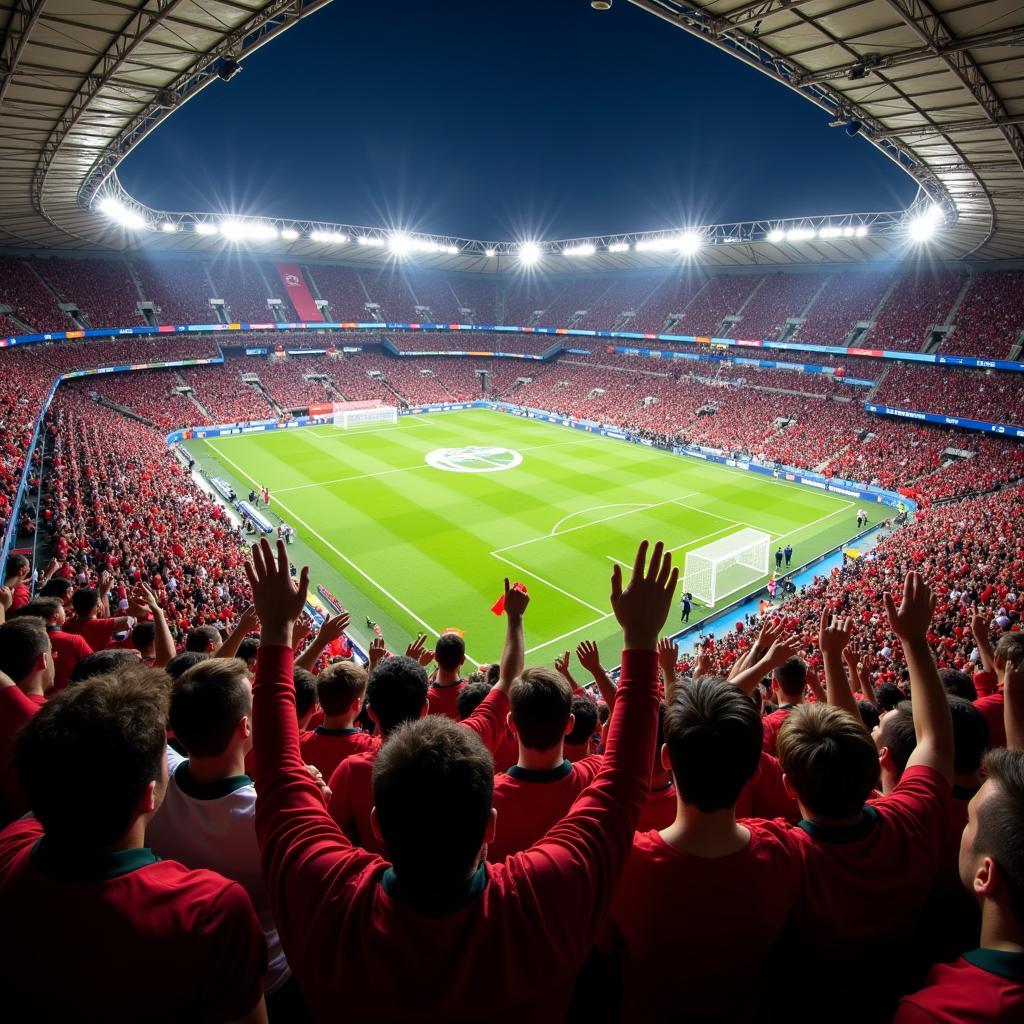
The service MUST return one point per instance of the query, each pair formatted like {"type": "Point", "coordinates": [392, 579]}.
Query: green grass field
{"type": "Point", "coordinates": [420, 548]}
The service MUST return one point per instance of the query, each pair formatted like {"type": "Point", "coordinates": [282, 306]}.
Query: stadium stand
{"type": "Point", "coordinates": [33, 304]}
{"type": "Point", "coordinates": [342, 288]}
{"type": "Point", "coordinates": [101, 289]}
{"type": "Point", "coordinates": [242, 286]}
{"type": "Point", "coordinates": [918, 302]}
{"type": "Point", "coordinates": [847, 299]}
{"type": "Point", "coordinates": [180, 290]}
{"type": "Point", "coordinates": [779, 298]}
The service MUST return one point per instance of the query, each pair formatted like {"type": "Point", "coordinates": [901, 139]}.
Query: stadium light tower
{"type": "Point", "coordinates": [689, 243]}
{"type": "Point", "coordinates": [529, 253]}
{"type": "Point", "coordinates": [923, 227]}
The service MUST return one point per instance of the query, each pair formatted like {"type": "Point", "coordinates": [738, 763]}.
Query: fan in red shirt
{"type": "Point", "coordinates": [450, 653]}
{"type": "Point", "coordinates": [339, 689]}
{"type": "Point", "coordinates": [1008, 651]}
{"type": "Point", "coordinates": [97, 632]}
{"type": "Point", "coordinates": [788, 682]}
{"type": "Point", "coordinates": [16, 575]}
{"type": "Point", "coordinates": [867, 869]}
{"type": "Point", "coordinates": [511, 935]}
{"type": "Point", "coordinates": [722, 890]}
{"type": "Point", "coordinates": [93, 765]}
{"type": "Point", "coordinates": [67, 648]}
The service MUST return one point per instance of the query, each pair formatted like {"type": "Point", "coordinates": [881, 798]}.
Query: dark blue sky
{"type": "Point", "coordinates": [539, 118]}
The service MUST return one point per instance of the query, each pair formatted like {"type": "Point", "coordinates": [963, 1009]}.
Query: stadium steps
{"type": "Point", "coordinates": [123, 410]}
{"type": "Point", "coordinates": [191, 396]}
{"type": "Point", "coordinates": [958, 301]}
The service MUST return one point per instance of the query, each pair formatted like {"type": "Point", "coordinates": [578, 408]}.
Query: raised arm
{"type": "Point", "coordinates": [668, 653]}
{"type": "Point", "coordinates": [513, 655]}
{"type": "Point", "coordinates": [1013, 706]}
{"type": "Point", "coordinates": [247, 623]}
{"type": "Point", "coordinates": [981, 628]}
{"type": "Point", "coordinates": [590, 658]}
{"type": "Point", "coordinates": [932, 721]}
{"type": "Point", "coordinates": [834, 633]}
{"type": "Point", "coordinates": [562, 668]}
{"type": "Point", "coordinates": [781, 650]}
{"type": "Point", "coordinates": [331, 629]}
{"type": "Point", "coordinates": [163, 642]}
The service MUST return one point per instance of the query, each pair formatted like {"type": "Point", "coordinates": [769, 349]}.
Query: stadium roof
{"type": "Point", "coordinates": [938, 87]}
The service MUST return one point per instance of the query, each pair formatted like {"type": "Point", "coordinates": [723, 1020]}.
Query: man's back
{"type": "Point", "coordinates": [444, 700]}
{"type": "Point", "coordinates": [139, 937]}
{"type": "Point", "coordinates": [986, 986]}
{"type": "Point", "coordinates": [351, 786]}
{"type": "Point", "coordinates": [772, 724]}
{"type": "Point", "coordinates": [327, 748]}
{"type": "Point", "coordinates": [531, 802]}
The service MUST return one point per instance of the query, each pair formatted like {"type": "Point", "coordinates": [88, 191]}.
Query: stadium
{"type": "Point", "coordinates": [817, 417]}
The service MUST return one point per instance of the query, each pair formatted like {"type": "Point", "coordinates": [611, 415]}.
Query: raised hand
{"type": "Point", "coordinates": [705, 664]}
{"type": "Point", "coordinates": [378, 652]}
{"type": "Point", "coordinates": [771, 630]}
{"type": "Point", "coordinates": [418, 648]}
{"type": "Point", "coordinates": [6, 598]}
{"type": "Point", "coordinates": [248, 621]}
{"type": "Point", "coordinates": [515, 601]}
{"type": "Point", "coordinates": [562, 665]}
{"type": "Point", "coordinates": [642, 607]}
{"type": "Point", "coordinates": [834, 633]}
{"type": "Point", "coordinates": [279, 600]}
{"type": "Point", "coordinates": [784, 648]}
{"type": "Point", "coordinates": [333, 628]}
{"type": "Point", "coordinates": [911, 620]}
{"type": "Point", "coordinates": [300, 631]}
{"type": "Point", "coordinates": [668, 655]}
{"type": "Point", "coordinates": [589, 656]}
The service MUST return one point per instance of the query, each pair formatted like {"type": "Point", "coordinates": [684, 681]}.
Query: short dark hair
{"type": "Point", "coordinates": [541, 702]}
{"type": "Point", "coordinates": [433, 786]}
{"type": "Point", "coordinates": [339, 685]}
{"type": "Point", "coordinates": [103, 663]}
{"type": "Point", "coordinates": [396, 691]}
{"type": "Point", "coordinates": [1000, 833]}
{"type": "Point", "coordinates": [84, 600]}
{"type": "Point", "coordinates": [305, 691]}
{"type": "Point", "coordinates": [181, 663]}
{"type": "Point", "coordinates": [450, 651]}
{"type": "Point", "coordinates": [117, 725]}
{"type": "Point", "coordinates": [15, 565]}
{"type": "Point", "coordinates": [585, 725]}
{"type": "Point", "coordinates": [1010, 648]}
{"type": "Point", "coordinates": [899, 735]}
{"type": "Point", "coordinates": [44, 608]}
{"type": "Point", "coordinates": [791, 676]}
{"type": "Point", "coordinates": [829, 758]}
{"type": "Point", "coordinates": [56, 586]}
{"type": "Point", "coordinates": [470, 697]}
{"type": "Point", "coordinates": [22, 641]}
{"type": "Point", "coordinates": [143, 634]}
{"type": "Point", "coordinates": [970, 736]}
{"type": "Point", "coordinates": [957, 684]}
{"type": "Point", "coordinates": [868, 714]}
{"type": "Point", "coordinates": [199, 638]}
{"type": "Point", "coordinates": [249, 648]}
{"type": "Point", "coordinates": [493, 674]}
{"type": "Point", "coordinates": [888, 695]}
{"type": "Point", "coordinates": [714, 738]}
{"type": "Point", "coordinates": [208, 702]}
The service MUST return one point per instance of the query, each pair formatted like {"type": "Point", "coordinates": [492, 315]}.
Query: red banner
{"type": "Point", "coordinates": [298, 291]}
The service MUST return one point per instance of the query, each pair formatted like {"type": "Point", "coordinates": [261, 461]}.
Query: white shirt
{"type": "Point", "coordinates": [216, 830]}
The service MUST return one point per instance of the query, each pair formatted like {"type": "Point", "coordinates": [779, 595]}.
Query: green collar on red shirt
{"type": "Point", "coordinates": [842, 833]}
{"type": "Point", "coordinates": [436, 901]}
{"type": "Point", "coordinates": [324, 731]}
{"type": "Point", "coordinates": [68, 865]}
{"type": "Point", "coordinates": [540, 774]}
{"type": "Point", "coordinates": [208, 790]}
{"type": "Point", "coordinates": [998, 961]}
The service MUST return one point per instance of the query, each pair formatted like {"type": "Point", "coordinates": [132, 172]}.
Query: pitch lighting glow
{"type": "Point", "coordinates": [690, 242]}
{"type": "Point", "coordinates": [529, 253]}
{"type": "Point", "coordinates": [923, 227]}
{"type": "Point", "coordinates": [168, 227]}
{"type": "Point", "coordinates": [289, 234]}
{"type": "Point", "coordinates": [619, 247]}
{"type": "Point", "coordinates": [831, 232]}
{"type": "Point", "coordinates": [243, 231]}
{"type": "Point", "coordinates": [120, 213]}
{"type": "Point", "coordinates": [585, 249]}
{"type": "Point", "coordinates": [371, 240]}
{"type": "Point", "coordinates": [776, 235]}
{"type": "Point", "coordinates": [204, 227]}
{"type": "Point", "coordinates": [800, 234]}
{"type": "Point", "coordinates": [330, 237]}
{"type": "Point", "coordinates": [489, 253]}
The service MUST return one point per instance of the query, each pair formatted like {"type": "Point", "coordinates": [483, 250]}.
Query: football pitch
{"type": "Point", "coordinates": [414, 525]}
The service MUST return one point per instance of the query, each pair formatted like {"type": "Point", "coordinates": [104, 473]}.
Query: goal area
{"type": "Point", "coordinates": [357, 414]}
{"type": "Point", "coordinates": [725, 566]}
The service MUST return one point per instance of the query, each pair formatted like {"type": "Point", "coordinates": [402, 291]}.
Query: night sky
{"type": "Point", "coordinates": [539, 118]}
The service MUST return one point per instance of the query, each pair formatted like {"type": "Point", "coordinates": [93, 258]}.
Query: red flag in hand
{"type": "Point", "coordinates": [499, 606]}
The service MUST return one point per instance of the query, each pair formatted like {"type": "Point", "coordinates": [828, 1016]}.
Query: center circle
{"type": "Point", "coordinates": [473, 459]}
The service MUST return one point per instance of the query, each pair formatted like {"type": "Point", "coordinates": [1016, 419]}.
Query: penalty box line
{"type": "Point", "coordinates": [348, 561]}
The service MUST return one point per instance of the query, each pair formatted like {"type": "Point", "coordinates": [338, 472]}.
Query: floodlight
{"type": "Point", "coordinates": [922, 228]}
{"type": "Point", "coordinates": [619, 247]}
{"type": "Point", "coordinates": [666, 243]}
{"type": "Point", "coordinates": [529, 253]}
{"type": "Point", "coordinates": [862, 230]}
{"type": "Point", "coordinates": [123, 215]}
{"type": "Point", "coordinates": [242, 230]}
{"type": "Point", "coordinates": [400, 243]}
{"type": "Point", "coordinates": [690, 242]}
{"type": "Point", "coordinates": [169, 227]}
{"type": "Point", "coordinates": [330, 237]}
{"type": "Point", "coordinates": [370, 240]}
{"type": "Point", "coordinates": [584, 249]}
{"type": "Point", "coordinates": [204, 227]}
{"type": "Point", "coordinates": [289, 234]}
{"type": "Point", "coordinates": [452, 250]}
{"type": "Point", "coordinates": [800, 234]}
{"type": "Point", "coordinates": [489, 253]}
{"type": "Point", "coordinates": [776, 235]}
{"type": "Point", "coordinates": [831, 232]}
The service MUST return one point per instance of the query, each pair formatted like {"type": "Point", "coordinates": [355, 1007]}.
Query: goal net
{"type": "Point", "coordinates": [725, 566]}
{"type": "Point", "coordinates": [352, 417]}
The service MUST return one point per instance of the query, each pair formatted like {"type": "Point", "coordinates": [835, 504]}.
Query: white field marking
{"type": "Point", "coordinates": [348, 561]}
{"type": "Point", "coordinates": [583, 526]}
{"type": "Point", "coordinates": [678, 547]}
{"type": "Point", "coordinates": [401, 469]}
{"type": "Point", "coordinates": [807, 526]}
{"type": "Point", "coordinates": [547, 583]}
{"type": "Point", "coordinates": [725, 519]}
{"type": "Point", "coordinates": [578, 629]}
{"type": "Point", "coordinates": [335, 432]}
{"type": "Point", "coordinates": [595, 508]}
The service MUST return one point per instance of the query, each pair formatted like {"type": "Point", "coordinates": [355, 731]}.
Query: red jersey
{"type": "Point", "coordinates": [443, 700]}
{"type": "Point", "coordinates": [97, 633]}
{"type": "Point", "coordinates": [991, 706]}
{"type": "Point", "coordinates": [764, 795]}
{"type": "Point", "coordinates": [660, 810]}
{"type": "Point", "coordinates": [15, 710]}
{"type": "Point", "coordinates": [734, 908]}
{"type": "Point", "coordinates": [20, 596]}
{"type": "Point", "coordinates": [512, 937]}
{"type": "Point", "coordinates": [529, 802]}
{"type": "Point", "coordinates": [68, 650]}
{"type": "Point", "coordinates": [130, 922]}
{"type": "Point", "coordinates": [352, 781]}
{"type": "Point", "coordinates": [985, 986]}
{"type": "Point", "coordinates": [864, 886]}
{"type": "Point", "coordinates": [771, 724]}
{"type": "Point", "coordinates": [327, 748]}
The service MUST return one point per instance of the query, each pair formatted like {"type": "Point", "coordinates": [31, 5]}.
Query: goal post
{"type": "Point", "coordinates": [345, 416]}
{"type": "Point", "coordinates": [725, 566]}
